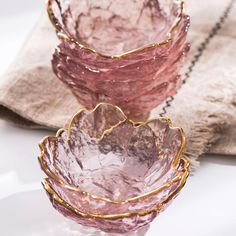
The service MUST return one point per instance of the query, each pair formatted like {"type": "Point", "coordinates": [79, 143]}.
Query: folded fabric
{"type": "Point", "coordinates": [205, 106]}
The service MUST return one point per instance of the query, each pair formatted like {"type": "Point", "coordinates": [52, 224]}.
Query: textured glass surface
{"type": "Point", "coordinates": [138, 81]}
{"type": "Point", "coordinates": [122, 225]}
{"type": "Point", "coordinates": [115, 27]}
{"type": "Point", "coordinates": [104, 164]}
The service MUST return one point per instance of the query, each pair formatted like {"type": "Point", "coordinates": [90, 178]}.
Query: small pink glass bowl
{"type": "Point", "coordinates": [118, 51]}
{"type": "Point", "coordinates": [108, 172]}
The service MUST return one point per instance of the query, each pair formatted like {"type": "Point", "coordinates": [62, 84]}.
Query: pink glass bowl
{"type": "Point", "coordinates": [108, 172]}
{"type": "Point", "coordinates": [117, 56]}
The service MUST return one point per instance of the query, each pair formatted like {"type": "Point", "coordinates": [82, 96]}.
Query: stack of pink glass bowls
{"type": "Point", "coordinates": [108, 172]}
{"type": "Point", "coordinates": [124, 52]}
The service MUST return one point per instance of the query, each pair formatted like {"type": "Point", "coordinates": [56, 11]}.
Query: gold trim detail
{"type": "Point", "coordinates": [136, 124]}
{"type": "Point", "coordinates": [63, 203]}
{"type": "Point", "coordinates": [62, 34]}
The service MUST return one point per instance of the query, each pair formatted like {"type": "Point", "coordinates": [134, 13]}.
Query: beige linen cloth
{"type": "Point", "coordinates": [205, 107]}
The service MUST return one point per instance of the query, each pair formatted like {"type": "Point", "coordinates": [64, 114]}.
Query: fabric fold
{"type": "Point", "coordinates": [205, 106]}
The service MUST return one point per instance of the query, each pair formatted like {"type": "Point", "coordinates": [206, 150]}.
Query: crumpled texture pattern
{"type": "Point", "coordinates": [137, 82]}
{"type": "Point", "coordinates": [114, 27]}
{"type": "Point", "coordinates": [110, 226]}
{"type": "Point", "coordinates": [104, 164]}
{"type": "Point", "coordinates": [31, 96]}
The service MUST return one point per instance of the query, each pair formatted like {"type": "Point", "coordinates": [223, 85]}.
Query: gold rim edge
{"type": "Point", "coordinates": [63, 203]}
{"type": "Point", "coordinates": [162, 187]}
{"type": "Point", "coordinates": [63, 35]}
{"type": "Point", "coordinates": [56, 178]}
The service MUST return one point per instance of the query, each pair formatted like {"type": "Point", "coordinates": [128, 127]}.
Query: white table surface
{"type": "Point", "coordinates": [205, 207]}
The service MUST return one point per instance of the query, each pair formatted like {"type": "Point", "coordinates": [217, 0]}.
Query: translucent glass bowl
{"type": "Point", "coordinates": [108, 172]}
{"type": "Point", "coordinates": [124, 52]}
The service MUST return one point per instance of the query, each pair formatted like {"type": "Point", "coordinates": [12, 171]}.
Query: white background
{"type": "Point", "coordinates": [205, 207]}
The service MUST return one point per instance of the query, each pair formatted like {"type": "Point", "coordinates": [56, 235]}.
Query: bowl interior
{"type": "Point", "coordinates": [115, 27]}
{"type": "Point", "coordinates": [128, 161]}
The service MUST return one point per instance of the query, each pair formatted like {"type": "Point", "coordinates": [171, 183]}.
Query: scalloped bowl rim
{"type": "Point", "coordinates": [57, 179]}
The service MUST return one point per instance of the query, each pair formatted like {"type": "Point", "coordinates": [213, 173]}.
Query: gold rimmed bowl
{"type": "Point", "coordinates": [124, 52]}
{"type": "Point", "coordinates": [108, 172]}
